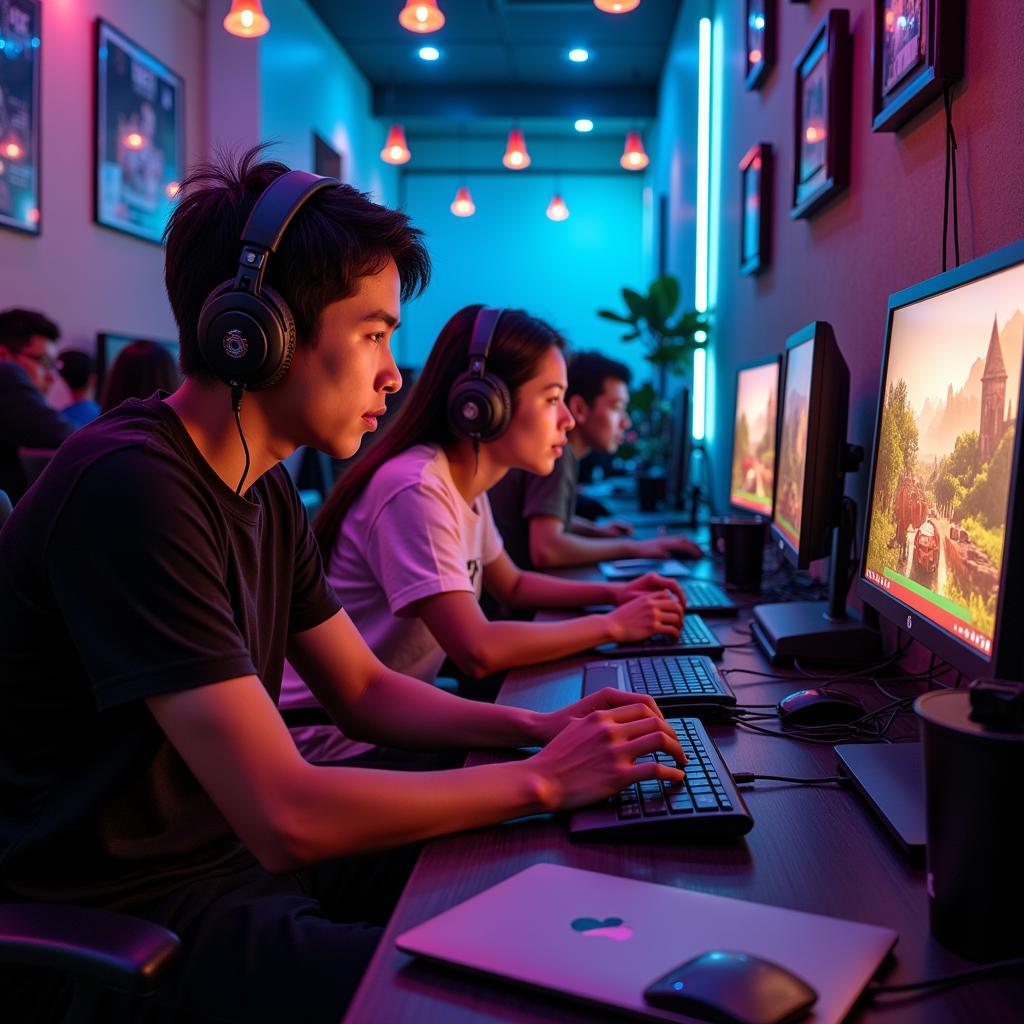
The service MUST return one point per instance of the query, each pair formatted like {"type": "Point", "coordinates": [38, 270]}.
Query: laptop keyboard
{"type": "Point", "coordinates": [675, 675]}
{"type": "Point", "coordinates": [703, 596]}
{"type": "Point", "coordinates": [705, 804]}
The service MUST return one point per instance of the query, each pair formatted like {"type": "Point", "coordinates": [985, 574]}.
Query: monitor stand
{"type": "Point", "coordinates": [820, 631]}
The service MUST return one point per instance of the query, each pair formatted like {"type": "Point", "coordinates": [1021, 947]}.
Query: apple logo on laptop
{"type": "Point", "coordinates": [610, 928]}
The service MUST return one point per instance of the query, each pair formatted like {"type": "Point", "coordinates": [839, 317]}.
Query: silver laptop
{"type": "Point", "coordinates": [603, 939]}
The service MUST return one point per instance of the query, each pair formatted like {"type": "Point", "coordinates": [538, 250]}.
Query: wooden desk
{"type": "Point", "coordinates": [814, 849]}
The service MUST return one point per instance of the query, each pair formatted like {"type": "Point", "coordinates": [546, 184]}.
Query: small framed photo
{"type": "Point", "coordinates": [760, 28]}
{"type": "Point", "coordinates": [821, 116]}
{"type": "Point", "coordinates": [327, 160]}
{"type": "Point", "coordinates": [918, 51]}
{"type": "Point", "coordinates": [755, 209]}
{"type": "Point", "coordinates": [140, 112]}
{"type": "Point", "coordinates": [20, 47]}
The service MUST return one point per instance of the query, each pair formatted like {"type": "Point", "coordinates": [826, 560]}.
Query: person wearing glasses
{"type": "Point", "coordinates": [28, 368]}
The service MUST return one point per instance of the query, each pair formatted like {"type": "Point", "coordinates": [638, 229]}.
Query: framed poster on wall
{"type": "Point", "coordinates": [140, 109]}
{"type": "Point", "coordinates": [755, 209]}
{"type": "Point", "coordinates": [918, 51]}
{"type": "Point", "coordinates": [760, 28]}
{"type": "Point", "coordinates": [821, 116]}
{"type": "Point", "coordinates": [327, 160]}
{"type": "Point", "coordinates": [20, 32]}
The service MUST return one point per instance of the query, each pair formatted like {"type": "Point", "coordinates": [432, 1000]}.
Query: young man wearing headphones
{"type": "Point", "coordinates": [150, 588]}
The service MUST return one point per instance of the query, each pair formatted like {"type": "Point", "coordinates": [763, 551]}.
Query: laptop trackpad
{"type": "Point", "coordinates": [599, 674]}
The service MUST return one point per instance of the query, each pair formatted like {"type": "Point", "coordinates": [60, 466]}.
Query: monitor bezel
{"type": "Point", "coordinates": [754, 365]}
{"type": "Point", "coordinates": [823, 482]}
{"type": "Point", "coordinates": [102, 355]}
{"type": "Point", "coordinates": [1007, 659]}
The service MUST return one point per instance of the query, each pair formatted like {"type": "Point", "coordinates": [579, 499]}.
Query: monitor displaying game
{"type": "Point", "coordinates": [793, 442]}
{"type": "Point", "coordinates": [944, 456]}
{"type": "Point", "coordinates": [752, 485]}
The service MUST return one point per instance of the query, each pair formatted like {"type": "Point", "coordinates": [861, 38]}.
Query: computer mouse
{"type": "Point", "coordinates": [819, 707]}
{"type": "Point", "coordinates": [730, 987]}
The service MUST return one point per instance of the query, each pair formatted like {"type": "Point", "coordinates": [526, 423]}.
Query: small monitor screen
{"type": "Point", "coordinates": [796, 397]}
{"type": "Point", "coordinates": [753, 443]}
{"type": "Point", "coordinates": [944, 454]}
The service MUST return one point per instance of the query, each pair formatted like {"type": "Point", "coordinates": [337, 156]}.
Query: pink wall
{"type": "Point", "coordinates": [86, 277]}
{"type": "Point", "coordinates": [884, 233]}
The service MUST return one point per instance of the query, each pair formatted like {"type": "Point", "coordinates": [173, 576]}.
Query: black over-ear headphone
{"type": "Point", "coordinates": [479, 403]}
{"type": "Point", "coordinates": [246, 330]}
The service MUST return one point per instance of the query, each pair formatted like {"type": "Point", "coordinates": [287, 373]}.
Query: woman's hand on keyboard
{"type": "Point", "coordinates": [649, 583]}
{"type": "Point", "coordinates": [594, 756]}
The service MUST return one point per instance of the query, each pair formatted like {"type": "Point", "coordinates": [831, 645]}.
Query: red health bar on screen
{"type": "Point", "coordinates": [956, 627]}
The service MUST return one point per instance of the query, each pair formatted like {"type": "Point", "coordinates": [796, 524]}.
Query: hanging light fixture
{"type": "Point", "coordinates": [395, 150]}
{"type": "Point", "coordinates": [462, 204]}
{"type": "Point", "coordinates": [557, 210]}
{"type": "Point", "coordinates": [421, 16]}
{"type": "Point", "coordinates": [516, 157]}
{"type": "Point", "coordinates": [616, 6]}
{"type": "Point", "coordinates": [633, 156]}
{"type": "Point", "coordinates": [246, 18]}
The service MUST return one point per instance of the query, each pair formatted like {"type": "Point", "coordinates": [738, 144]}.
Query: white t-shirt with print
{"type": "Point", "coordinates": [408, 536]}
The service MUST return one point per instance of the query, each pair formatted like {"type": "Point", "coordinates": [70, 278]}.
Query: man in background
{"type": "Point", "coordinates": [536, 515]}
{"type": "Point", "coordinates": [78, 369]}
{"type": "Point", "coordinates": [28, 365]}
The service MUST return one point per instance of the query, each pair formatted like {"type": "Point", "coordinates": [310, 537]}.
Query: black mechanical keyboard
{"type": "Point", "coordinates": [694, 638]}
{"type": "Point", "coordinates": [706, 805]}
{"type": "Point", "coordinates": [682, 683]}
{"type": "Point", "coordinates": [707, 598]}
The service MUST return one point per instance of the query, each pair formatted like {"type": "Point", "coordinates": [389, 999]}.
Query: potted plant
{"type": "Point", "coordinates": [669, 339]}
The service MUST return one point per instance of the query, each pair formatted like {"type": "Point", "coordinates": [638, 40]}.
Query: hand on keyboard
{"type": "Point", "coordinates": [645, 615]}
{"type": "Point", "coordinates": [668, 546]}
{"type": "Point", "coordinates": [594, 756]}
{"type": "Point", "coordinates": [649, 583]}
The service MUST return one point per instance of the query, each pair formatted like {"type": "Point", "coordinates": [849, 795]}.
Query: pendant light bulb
{"type": "Point", "coordinates": [462, 204]}
{"type": "Point", "coordinates": [557, 210]}
{"type": "Point", "coordinates": [395, 150]}
{"type": "Point", "coordinates": [616, 6]}
{"type": "Point", "coordinates": [634, 158]}
{"type": "Point", "coordinates": [516, 158]}
{"type": "Point", "coordinates": [421, 16]}
{"type": "Point", "coordinates": [246, 19]}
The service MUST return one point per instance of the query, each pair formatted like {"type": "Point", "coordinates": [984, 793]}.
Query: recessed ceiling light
{"type": "Point", "coordinates": [578, 55]}
{"type": "Point", "coordinates": [584, 124]}
{"type": "Point", "coordinates": [429, 53]}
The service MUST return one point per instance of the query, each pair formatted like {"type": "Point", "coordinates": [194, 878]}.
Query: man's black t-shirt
{"type": "Point", "coordinates": [130, 571]}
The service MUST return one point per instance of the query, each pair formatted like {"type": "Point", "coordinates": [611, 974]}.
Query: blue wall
{"type": "Point", "coordinates": [510, 254]}
{"type": "Point", "coordinates": [309, 83]}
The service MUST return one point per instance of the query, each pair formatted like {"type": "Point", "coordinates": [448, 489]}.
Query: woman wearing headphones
{"type": "Point", "coordinates": [408, 534]}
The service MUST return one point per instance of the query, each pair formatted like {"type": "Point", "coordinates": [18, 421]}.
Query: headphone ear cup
{"type": "Point", "coordinates": [246, 339]}
{"type": "Point", "coordinates": [280, 348]}
{"type": "Point", "coordinates": [479, 407]}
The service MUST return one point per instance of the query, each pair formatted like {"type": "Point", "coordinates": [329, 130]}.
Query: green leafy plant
{"type": "Point", "coordinates": [669, 338]}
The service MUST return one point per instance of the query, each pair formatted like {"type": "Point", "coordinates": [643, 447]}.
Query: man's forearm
{"type": "Point", "coordinates": [567, 549]}
{"type": "Point", "coordinates": [397, 710]}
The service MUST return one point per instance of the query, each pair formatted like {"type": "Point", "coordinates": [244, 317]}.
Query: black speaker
{"type": "Point", "coordinates": [246, 330]}
{"type": "Point", "coordinates": [479, 403]}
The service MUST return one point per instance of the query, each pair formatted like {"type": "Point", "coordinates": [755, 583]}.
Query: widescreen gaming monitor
{"type": "Point", "coordinates": [812, 444]}
{"type": "Point", "coordinates": [944, 494]}
{"type": "Point", "coordinates": [752, 486]}
{"type": "Point", "coordinates": [110, 346]}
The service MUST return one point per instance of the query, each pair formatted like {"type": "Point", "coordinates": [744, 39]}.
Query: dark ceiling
{"type": "Point", "coordinates": [507, 58]}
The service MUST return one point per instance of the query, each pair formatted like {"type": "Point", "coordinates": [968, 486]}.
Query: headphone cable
{"type": "Point", "coordinates": [237, 390]}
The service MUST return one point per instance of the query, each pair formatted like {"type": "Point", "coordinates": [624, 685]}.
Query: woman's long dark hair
{"type": "Point", "coordinates": [520, 342]}
{"type": "Point", "coordinates": [139, 369]}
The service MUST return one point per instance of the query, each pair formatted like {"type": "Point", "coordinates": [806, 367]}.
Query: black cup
{"type": "Point", "coordinates": [651, 491]}
{"type": "Point", "coordinates": [742, 543]}
{"type": "Point", "coordinates": [972, 778]}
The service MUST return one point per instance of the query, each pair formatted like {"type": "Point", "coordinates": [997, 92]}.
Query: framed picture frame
{"type": "Point", "coordinates": [821, 116]}
{"type": "Point", "coordinates": [756, 208]}
{"type": "Point", "coordinates": [140, 142]}
{"type": "Point", "coordinates": [760, 29]}
{"type": "Point", "coordinates": [918, 50]}
{"type": "Point", "coordinates": [21, 33]}
{"type": "Point", "coordinates": [327, 160]}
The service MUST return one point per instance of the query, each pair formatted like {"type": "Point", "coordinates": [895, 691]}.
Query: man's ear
{"type": "Point", "coordinates": [579, 409]}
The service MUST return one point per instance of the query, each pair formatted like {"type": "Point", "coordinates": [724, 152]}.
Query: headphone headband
{"type": "Point", "coordinates": [484, 326]}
